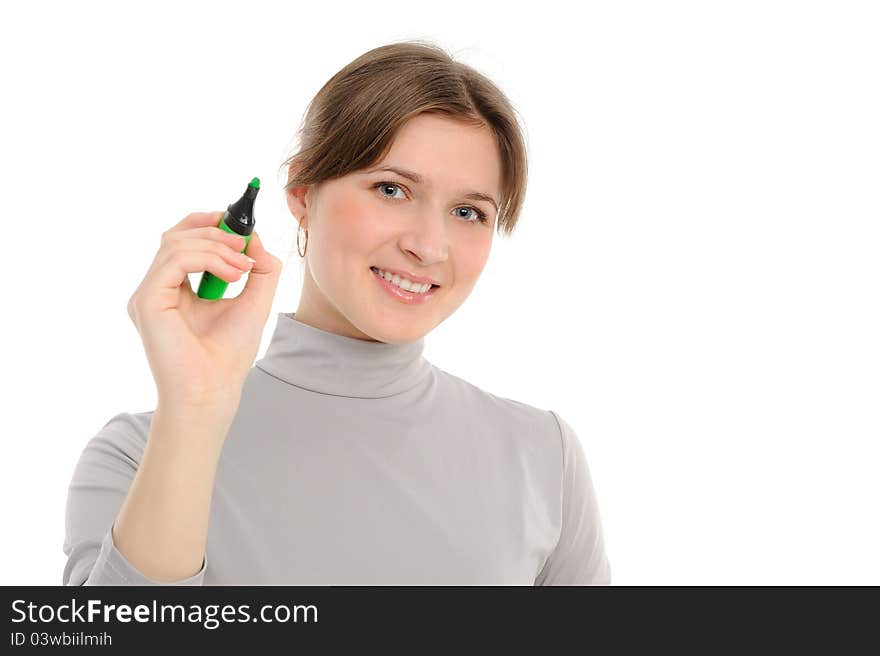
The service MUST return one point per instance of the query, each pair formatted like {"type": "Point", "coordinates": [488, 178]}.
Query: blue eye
{"type": "Point", "coordinates": [386, 184]}
{"type": "Point", "coordinates": [480, 215]}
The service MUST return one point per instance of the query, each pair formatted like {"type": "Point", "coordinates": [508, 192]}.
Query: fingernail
{"type": "Point", "coordinates": [252, 260]}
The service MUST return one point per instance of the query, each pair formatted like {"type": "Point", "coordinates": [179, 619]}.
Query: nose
{"type": "Point", "coordinates": [426, 239]}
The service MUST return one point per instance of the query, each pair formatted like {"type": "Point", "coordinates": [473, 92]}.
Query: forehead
{"type": "Point", "coordinates": [448, 153]}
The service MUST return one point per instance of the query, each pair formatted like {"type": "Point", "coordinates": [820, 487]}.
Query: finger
{"type": "Point", "coordinates": [172, 274]}
{"type": "Point", "coordinates": [198, 220]}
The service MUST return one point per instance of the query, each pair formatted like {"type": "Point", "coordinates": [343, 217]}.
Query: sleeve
{"type": "Point", "coordinates": [579, 557]}
{"type": "Point", "coordinates": [100, 483]}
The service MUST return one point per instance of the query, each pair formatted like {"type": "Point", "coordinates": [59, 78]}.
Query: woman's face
{"type": "Point", "coordinates": [382, 219]}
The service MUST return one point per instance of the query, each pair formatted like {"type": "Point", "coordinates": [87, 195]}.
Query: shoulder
{"type": "Point", "coordinates": [514, 416]}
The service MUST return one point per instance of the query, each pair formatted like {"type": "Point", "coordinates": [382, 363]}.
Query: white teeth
{"type": "Point", "coordinates": [403, 283]}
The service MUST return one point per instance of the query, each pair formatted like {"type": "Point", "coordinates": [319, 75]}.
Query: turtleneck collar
{"type": "Point", "coordinates": [328, 363]}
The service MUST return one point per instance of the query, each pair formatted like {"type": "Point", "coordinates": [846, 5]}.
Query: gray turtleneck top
{"type": "Point", "coordinates": [351, 462]}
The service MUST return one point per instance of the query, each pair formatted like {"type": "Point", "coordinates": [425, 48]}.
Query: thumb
{"type": "Point", "coordinates": [263, 277]}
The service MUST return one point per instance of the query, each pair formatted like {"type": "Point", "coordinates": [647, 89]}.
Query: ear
{"type": "Point", "coordinates": [296, 201]}
{"type": "Point", "coordinates": [296, 196]}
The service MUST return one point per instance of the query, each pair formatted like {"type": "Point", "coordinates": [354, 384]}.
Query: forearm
{"type": "Point", "coordinates": [162, 526]}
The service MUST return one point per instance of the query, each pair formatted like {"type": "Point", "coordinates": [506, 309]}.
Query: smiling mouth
{"type": "Point", "coordinates": [431, 288]}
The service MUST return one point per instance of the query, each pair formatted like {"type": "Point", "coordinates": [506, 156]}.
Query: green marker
{"type": "Point", "coordinates": [238, 220]}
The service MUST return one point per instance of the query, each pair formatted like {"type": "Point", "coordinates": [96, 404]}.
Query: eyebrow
{"type": "Point", "coordinates": [415, 177]}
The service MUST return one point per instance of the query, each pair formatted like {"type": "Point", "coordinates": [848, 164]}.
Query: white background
{"type": "Point", "coordinates": [693, 283]}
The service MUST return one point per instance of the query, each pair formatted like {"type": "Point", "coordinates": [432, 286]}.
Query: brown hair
{"type": "Point", "coordinates": [351, 122]}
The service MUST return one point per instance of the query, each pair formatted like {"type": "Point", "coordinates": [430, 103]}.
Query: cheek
{"type": "Point", "coordinates": [348, 231]}
{"type": "Point", "coordinates": [473, 253]}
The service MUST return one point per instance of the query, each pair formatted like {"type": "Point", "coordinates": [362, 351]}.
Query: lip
{"type": "Point", "coordinates": [410, 276]}
{"type": "Point", "coordinates": [408, 298]}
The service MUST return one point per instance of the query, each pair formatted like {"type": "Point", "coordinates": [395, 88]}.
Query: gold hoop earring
{"type": "Point", "coordinates": [302, 253]}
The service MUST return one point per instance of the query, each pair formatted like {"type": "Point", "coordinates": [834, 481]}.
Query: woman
{"type": "Point", "coordinates": [342, 456]}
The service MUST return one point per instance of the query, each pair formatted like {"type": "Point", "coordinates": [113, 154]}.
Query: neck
{"type": "Point", "coordinates": [329, 363]}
